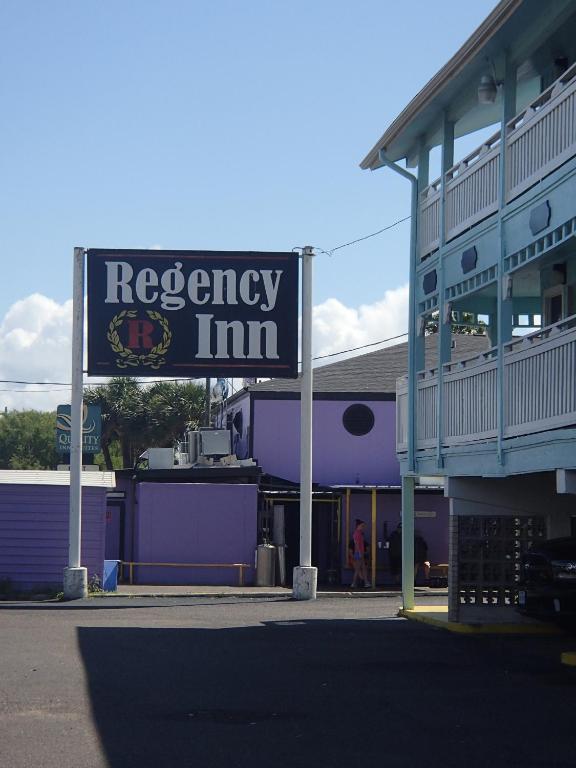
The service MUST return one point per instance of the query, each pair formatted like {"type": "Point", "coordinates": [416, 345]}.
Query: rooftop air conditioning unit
{"type": "Point", "coordinates": [208, 443]}
{"type": "Point", "coordinates": [215, 442]}
{"type": "Point", "coordinates": [160, 458]}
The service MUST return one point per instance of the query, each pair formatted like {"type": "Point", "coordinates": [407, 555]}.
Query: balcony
{"type": "Point", "coordinates": [538, 140]}
{"type": "Point", "coordinates": [539, 392]}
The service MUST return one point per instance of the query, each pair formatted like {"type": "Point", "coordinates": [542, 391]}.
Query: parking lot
{"type": "Point", "coordinates": [144, 682]}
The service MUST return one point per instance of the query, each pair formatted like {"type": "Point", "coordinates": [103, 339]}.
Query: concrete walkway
{"type": "Point", "coordinates": [141, 590]}
{"type": "Point", "coordinates": [437, 616]}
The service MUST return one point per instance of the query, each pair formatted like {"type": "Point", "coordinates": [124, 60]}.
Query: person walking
{"type": "Point", "coordinates": [358, 556]}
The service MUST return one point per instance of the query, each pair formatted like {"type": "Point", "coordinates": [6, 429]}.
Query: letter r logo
{"type": "Point", "coordinates": [139, 334]}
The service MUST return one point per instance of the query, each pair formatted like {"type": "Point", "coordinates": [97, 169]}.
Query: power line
{"type": "Point", "coordinates": [331, 251]}
{"type": "Point", "coordinates": [161, 381]}
{"type": "Point", "coordinates": [364, 346]}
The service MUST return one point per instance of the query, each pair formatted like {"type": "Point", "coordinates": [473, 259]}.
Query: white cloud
{"type": "Point", "coordinates": [36, 333]}
{"type": "Point", "coordinates": [35, 338]}
{"type": "Point", "coordinates": [337, 327]}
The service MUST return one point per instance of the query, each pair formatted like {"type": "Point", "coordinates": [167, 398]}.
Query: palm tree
{"type": "Point", "coordinates": [139, 416]}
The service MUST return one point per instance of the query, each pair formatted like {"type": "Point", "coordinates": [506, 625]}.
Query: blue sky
{"type": "Point", "coordinates": [210, 125]}
{"type": "Point", "coordinates": [217, 125]}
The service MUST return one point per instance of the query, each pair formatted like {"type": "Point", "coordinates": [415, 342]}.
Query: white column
{"type": "Point", "coordinates": [75, 577]}
{"type": "Point", "coordinates": [305, 576]}
{"type": "Point", "coordinates": [408, 483]}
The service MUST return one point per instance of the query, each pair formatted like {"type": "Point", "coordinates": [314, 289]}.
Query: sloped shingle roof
{"type": "Point", "coordinates": [375, 371]}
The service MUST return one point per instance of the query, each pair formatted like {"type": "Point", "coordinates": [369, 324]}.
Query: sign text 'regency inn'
{"type": "Point", "coordinates": [192, 313]}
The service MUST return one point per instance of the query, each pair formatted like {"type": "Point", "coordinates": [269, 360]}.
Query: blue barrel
{"type": "Point", "coordinates": [110, 580]}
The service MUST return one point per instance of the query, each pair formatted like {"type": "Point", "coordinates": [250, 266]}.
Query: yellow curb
{"type": "Point", "coordinates": [568, 658]}
{"type": "Point", "coordinates": [437, 616]}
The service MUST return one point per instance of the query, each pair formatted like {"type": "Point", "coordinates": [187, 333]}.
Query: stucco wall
{"type": "Point", "coordinates": [338, 456]}
{"type": "Point", "coordinates": [195, 523]}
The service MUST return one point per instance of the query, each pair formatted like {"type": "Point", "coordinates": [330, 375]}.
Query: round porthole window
{"type": "Point", "coordinates": [358, 419]}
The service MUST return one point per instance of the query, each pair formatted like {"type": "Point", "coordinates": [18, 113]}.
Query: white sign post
{"type": "Point", "coordinates": [305, 576]}
{"type": "Point", "coordinates": [76, 577]}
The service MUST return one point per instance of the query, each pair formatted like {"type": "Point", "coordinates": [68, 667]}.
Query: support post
{"type": "Point", "coordinates": [76, 577]}
{"type": "Point", "coordinates": [505, 304]}
{"type": "Point", "coordinates": [409, 480]}
{"type": "Point", "coordinates": [373, 540]}
{"type": "Point", "coordinates": [207, 404]}
{"type": "Point", "coordinates": [347, 526]}
{"type": "Point", "coordinates": [444, 322]}
{"type": "Point", "coordinates": [305, 576]}
{"type": "Point", "coordinates": [408, 483]}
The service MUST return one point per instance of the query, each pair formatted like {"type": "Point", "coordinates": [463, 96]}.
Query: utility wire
{"type": "Point", "coordinates": [364, 346]}
{"type": "Point", "coordinates": [331, 251]}
{"type": "Point", "coordinates": [161, 381]}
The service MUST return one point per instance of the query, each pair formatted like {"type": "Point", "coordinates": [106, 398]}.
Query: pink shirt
{"type": "Point", "coordinates": [358, 537]}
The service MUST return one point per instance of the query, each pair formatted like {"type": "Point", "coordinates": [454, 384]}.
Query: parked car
{"type": "Point", "coordinates": [547, 586]}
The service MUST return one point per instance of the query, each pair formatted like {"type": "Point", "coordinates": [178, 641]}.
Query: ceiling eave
{"type": "Point", "coordinates": [424, 101]}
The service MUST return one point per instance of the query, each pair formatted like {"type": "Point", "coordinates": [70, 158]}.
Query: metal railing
{"type": "Point", "coordinates": [131, 565]}
{"type": "Point", "coordinates": [472, 188]}
{"type": "Point", "coordinates": [539, 391]}
{"type": "Point", "coordinates": [470, 398]}
{"type": "Point", "coordinates": [430, 218]}
{"type": "Point", "coordinates": [538, 141]}
{"type": "Point", "coordinates": [540, 380]}
{"type": "Point", "coordinates": [542, 136]}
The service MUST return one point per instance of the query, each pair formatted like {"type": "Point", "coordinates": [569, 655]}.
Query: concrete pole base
{"type": "Point", "coordinates": [304, 583]}
{"type": "Point", "coordinates": [75, 583]}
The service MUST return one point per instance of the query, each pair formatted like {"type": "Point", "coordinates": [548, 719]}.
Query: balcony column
{"type": "Point", "coordinates": [504, 309]}
{"type": "Point", "coordinates": [408, 484]}
{"type": "Point", "coordinates": [444, 315]}
{"type": "Point", "coordinates": [423, 181]}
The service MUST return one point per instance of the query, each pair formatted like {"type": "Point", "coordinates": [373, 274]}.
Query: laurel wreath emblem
{"type": "Point", "coordinates": [127, 358]}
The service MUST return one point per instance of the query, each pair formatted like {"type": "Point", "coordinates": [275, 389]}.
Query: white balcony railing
{"type": "Point", "coordinates": [538, 140]}
{"type": "Point", "coordinates": [539, 391]}
{"type": "Point", "coordinates": [430, 219]}
{"type": "Point", "coordinates": [540, 380]}
{"type": "Point", "coordinates": [472, 188]}
{"type": "Point", "coordinates": [543, 136]}
{"type": "Point", "coordinates": [470, 395]}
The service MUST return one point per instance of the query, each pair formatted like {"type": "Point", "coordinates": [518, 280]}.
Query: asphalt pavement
{"type": "Point", "coordinates": [232, 682]}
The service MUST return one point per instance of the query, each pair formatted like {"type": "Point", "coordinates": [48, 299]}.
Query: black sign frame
{"type": "Point", "coordinates": [192, 314]}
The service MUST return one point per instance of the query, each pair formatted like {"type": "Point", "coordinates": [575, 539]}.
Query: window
{"type": "Point", "coordinates": [358, 420]}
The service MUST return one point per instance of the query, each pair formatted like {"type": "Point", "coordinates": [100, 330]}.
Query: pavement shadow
{"type": "Point", "coordinates": [326, 693]}
{"type": "Point", "coordinates": [129, 603]}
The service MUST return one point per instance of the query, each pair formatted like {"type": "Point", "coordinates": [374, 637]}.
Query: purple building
{"type": "Point", "coordinates": [184, 526]}
{"type": "Point", "coordinates": [34, 515]}
{"type": "Point", "coordinates": [192, 525]}
{"type": "Point", "coordinates": [355, 469]}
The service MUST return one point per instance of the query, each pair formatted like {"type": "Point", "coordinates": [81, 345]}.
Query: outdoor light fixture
{"type": "Point", "coordinates": [487, 90]}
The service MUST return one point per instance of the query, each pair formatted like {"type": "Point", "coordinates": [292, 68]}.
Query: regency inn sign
{"type": "Point", "coordinates": [192, 313]}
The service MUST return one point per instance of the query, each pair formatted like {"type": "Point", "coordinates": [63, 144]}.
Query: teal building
{"type": "Point", "coordinates": [493, 251]}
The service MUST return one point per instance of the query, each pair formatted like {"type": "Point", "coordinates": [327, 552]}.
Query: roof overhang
{"type": "Point", "coordinates": [442, 91]}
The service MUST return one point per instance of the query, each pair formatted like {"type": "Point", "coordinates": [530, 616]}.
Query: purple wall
{"type": "Point", "coordinates": [388, 505]}
{"type": "Point", "coordinates": [338, 457]}
{"type": "Point", "coordinates": [195, 523]}
{"type": "Point", "coordinates": [34, 533]}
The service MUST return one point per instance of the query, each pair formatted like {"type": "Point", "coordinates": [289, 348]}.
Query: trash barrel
{"type": "Point", "coordinates": [110, 578]}
{"type": "Point", "coordinates": [265, 565]}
